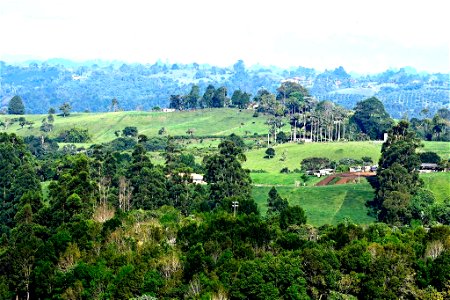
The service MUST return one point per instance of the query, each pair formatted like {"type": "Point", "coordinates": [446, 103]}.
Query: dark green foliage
{"type": "Point", "coordinates": [41, 147]}
{"type": "Point", "coordinates": [292, 215]}
{"type": "Point", "coordinates": [219, 98]}
{"type": "Point", "coordinates": [397, 175]}
{"type": "Point", "coordinates": [315, 163]}
{"type": "Point", "coordinates": [371, 118]}
{"type": "Point", "coordinates": [275, 203]}
{"type": "Point", "coordinates": [176, 102]}
{"type": "Point", "coordinates": [187, 161]}
{"type": "Point", "coordinates": [429, 157]}
{"type": "Point", "coordinates": [148, 182]}
{"type": "Point", "coordinates": [193, 97]}
{"type": "Point", "coordinates": [206, 100]}
{"type": "Point", "coordinates": [282, 137]}
{"type": "Point", "coordinates": [17, 177]}
{"type": "Point", "coordinates": [421, 206]}
{"type": "Point", "coordinates": [130, 131]}
{"type": "Point", "coordinates": [270, 278]}
{"type": "Point", "coordinates": [15, 106]}
{"type": "Point", "coordinates": [65, 109]}
{"type": "Point", "coordinates": [224, 173]}
{"type": "Point", "coordinates": [74, 135]}
{"type": "Point", "coordinates": [290, 89]}
{"type": "Point", "coordinates": [121, 144]}
{"type": "Point", "coordinates": [240, 99]}
{"type": "Point", "coordinates": [441, 212]}
{"type": "Point", "coordinates": [270, 152]}
{"type": "Point", "coordinates": [237, 140]}
{"type": "Point", "coordinates": [71, 196]}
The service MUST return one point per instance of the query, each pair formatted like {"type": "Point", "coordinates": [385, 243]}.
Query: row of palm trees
{"type": "Point", "coordinates": [314, 121]}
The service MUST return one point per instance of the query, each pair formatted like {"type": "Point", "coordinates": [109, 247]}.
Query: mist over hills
{"type": "Point", "coordinates": [91, 85]}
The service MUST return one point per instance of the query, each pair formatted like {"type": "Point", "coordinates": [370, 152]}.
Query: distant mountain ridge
{"type": "Point", "coordinates": [91, 85]}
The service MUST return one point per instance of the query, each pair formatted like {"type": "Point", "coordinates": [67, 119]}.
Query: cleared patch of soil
{"type": "Point", "coordinates": [345, 178]}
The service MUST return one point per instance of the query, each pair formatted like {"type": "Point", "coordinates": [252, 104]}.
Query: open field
{"type": "Point", "coordinates": [295, 153]}
{"type": "Point", "coordinates": [438, 183]}
{"type": "Point", "coordinates": [441, 148]}
{"type": "Point", "coordinates": [325, 204]}
{"type": "Point", "coordinates": [282, 179]}
{"type": "Point", "coordinates": [102, 126]}
{"type": "Point", "coordinates": [331, 204]}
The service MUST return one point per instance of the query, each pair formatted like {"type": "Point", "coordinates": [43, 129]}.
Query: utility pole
{"type": "Point", "coordinates": [235, 205]}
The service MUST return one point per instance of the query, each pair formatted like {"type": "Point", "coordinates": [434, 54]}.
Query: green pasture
{"type": "Point", "coordinates": [284, 179]}
{"type": "Point", "coordinates": [326, 204]}
{"type": "Point", "coordinates": [438, 183]}
{"type": "Point", "coordinates": [102, 126]}
{"type": "Point", "coordinates": [441, 148]}
{"type": "Point", "coordinates": [295, 153]}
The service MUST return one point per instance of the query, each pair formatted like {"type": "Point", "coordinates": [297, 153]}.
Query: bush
{"type": "Point", "coordinates": [258, 171]}
{"type": "Point", "coordinates": [285, 170]}
{"type": "Point", "coordinates": [130, 131]}
{"type": "Point", "coordinates": [121, 144]}
{"type": "Point", "coordinates": [282, 137]}
{"type": "Point", "coordinates": [270, 152]}
{"type": "Point", "coordinates": [429, 157]}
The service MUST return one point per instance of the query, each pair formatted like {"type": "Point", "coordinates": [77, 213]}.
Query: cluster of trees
{"type": "Point", "coordinates": [400, 198]}
{"type": "Point", "coordinates": [436, 128]}
{"type": "Point", "coordinates": [211, 98]}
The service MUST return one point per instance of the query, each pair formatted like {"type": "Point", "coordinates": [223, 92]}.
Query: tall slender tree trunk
{"type": "Point", "coordinates": [295, 130]}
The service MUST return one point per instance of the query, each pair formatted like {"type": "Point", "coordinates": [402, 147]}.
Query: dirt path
{"type": "Point", "coordinates": [345, 177]}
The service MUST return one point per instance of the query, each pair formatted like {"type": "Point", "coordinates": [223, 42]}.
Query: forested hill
{"type": "Point", "coordinates": [91, 86]}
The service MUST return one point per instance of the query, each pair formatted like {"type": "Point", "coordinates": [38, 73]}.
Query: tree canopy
{"type": "Point", "coordinates": [16, 106]}
{"type": "Point", "coordinates": [371, 118]}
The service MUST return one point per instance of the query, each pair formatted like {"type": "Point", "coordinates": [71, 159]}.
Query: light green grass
{"type": "Point", "coordinates": [438, 183]}
{"type": "Point", "coordinates": [102, 126]}
{"type": "Point", "coordinates": [441, 148]}
{"type": "Point", "coordinates": [325, 204]}
{"type": "Point", "coordinates": [295, 153]}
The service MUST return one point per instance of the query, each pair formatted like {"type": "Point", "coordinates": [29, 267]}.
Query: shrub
{"type": "Point", "coordinates": [270, 152]}
{"type": "Point", "coordinates": [285, 170]}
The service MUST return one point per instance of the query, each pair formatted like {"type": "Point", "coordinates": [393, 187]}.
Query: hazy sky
{"type": "Point", "coordinates": [362, 36]}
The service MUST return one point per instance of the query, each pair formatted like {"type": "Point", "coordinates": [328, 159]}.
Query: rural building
{"type": "Point", "coordinates": [194, 178]}
{"type": "Point", "coordinates": [324, 172]}
{"type": "Point", "coordinates": [428, 168]}
{"type": "Point", "coordinates": [197, 178]}
{"type": "Point", "coordinates": [168, 109]}
{"type": "Point", "coordinates": [355, 169]}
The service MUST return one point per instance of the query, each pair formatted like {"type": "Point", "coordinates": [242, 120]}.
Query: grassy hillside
{"type": "Point", "coordinates": [438, 183]}
{"type": "Point", "coordinates": [327, 204]}
{"type": "Point", "coordinates": [102, 126]}
{"type": "Point", "coordinates": [441, 148]}
{"type": "Point", "coordinates": [295, 153]}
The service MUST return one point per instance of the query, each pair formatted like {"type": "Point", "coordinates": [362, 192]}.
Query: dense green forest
{"type": "Point", "coordinates": [91, 86]}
